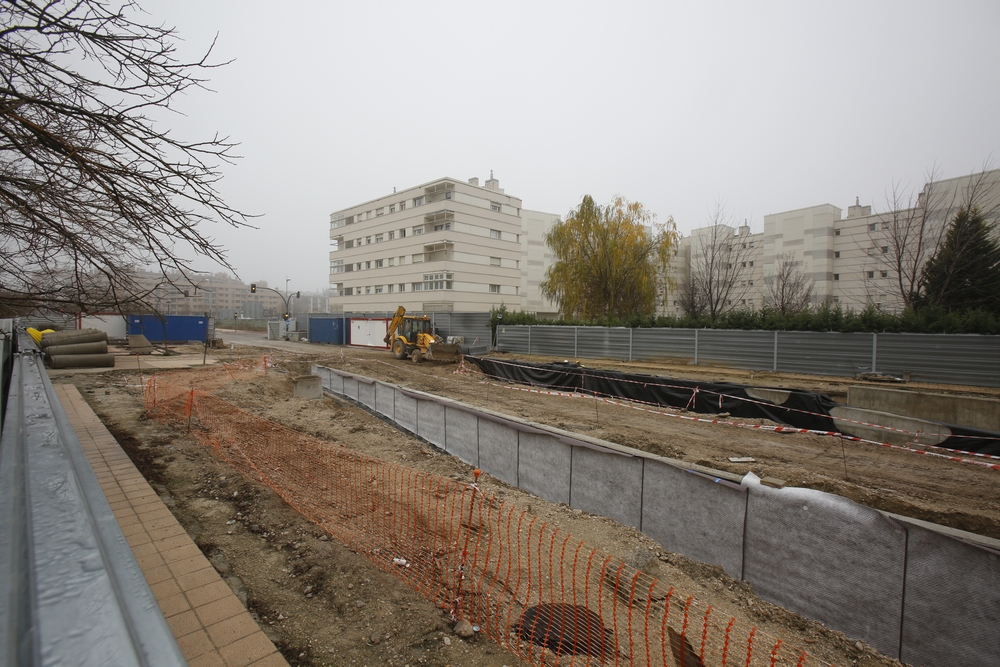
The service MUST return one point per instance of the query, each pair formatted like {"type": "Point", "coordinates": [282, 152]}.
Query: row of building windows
{"type": "Point", "coordinates": [431, 282]}
{"type": "Point", "coordinates": [869, 274]}
{"type": "Point", "coordinates": [401, 233]}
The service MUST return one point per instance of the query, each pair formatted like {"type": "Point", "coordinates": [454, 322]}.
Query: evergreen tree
{"type": "Point", "coordinates": [964, 274]}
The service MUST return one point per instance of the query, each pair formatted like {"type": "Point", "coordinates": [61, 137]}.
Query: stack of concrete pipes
{"type": "Point", "coordinates": [85, 348]}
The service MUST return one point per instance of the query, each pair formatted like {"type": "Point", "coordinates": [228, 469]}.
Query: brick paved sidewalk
{"type": "Point", "coordinates": [211, 626]}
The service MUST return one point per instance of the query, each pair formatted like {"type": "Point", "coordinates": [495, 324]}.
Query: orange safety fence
{"type": "Point", "coordinates": [533, 589]}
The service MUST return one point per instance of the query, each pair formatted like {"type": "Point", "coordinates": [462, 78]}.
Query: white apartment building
{"type": "Point", "coordinates": [446, 245]}
{"type": "Point", "coordinates": [850, 260]}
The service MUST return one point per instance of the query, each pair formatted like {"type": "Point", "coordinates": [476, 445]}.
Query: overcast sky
{"type": "Point", "coordinates": [767, 106]}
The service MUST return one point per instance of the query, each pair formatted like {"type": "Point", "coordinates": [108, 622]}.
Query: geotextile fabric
{"type": "Point", "coordinates": [802, 409]}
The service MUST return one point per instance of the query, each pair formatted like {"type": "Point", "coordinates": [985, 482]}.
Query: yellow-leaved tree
{"type": "Point", "coordinates": [611, 260]}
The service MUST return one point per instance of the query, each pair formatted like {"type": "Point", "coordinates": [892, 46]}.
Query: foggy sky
{"type": "Point", "coordinates": [766, 106]}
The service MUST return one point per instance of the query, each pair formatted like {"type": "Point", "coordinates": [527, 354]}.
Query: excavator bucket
{"type": "Point", "coordinates": [446, 352]}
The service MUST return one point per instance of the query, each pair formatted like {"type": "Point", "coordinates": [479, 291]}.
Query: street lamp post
{"type": "Point", "coordinates": [285, 298]}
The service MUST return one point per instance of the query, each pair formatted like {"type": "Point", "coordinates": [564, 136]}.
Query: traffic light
{"type": "Point", "coordinates": [253, 288]}
{"type": "Point", "coordinates": [297, 294]}
{"type": "Point", "coordinates": [287, 316]}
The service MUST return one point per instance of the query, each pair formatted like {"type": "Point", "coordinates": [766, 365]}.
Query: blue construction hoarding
{"type": "Point", "coordinates": [171, 328]}
{"type": "Point", "coordinates": [326, 329]}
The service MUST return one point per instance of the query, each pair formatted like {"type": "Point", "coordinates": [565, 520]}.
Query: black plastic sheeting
{"type": "Point", "coordinates": [802, 409]}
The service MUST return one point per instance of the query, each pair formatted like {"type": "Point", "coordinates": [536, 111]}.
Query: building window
{"type": "Point", "coordinates": [494, 233]}
{"type": "Point", "coordinates": [873, 227]}
{"type": "Point", "coordinates": [751, 262]}
{"type": "Point", "coordinates": [418, 201]}
{"type": "Point", "coordinates": [885, 274]}
{"type": "Point", "coordinates": [368, 240]}
{"type": "Point", "coordinates": [402, 287]}
{"type": "Point", "coordinates": [447, 194]}
{"type": "Point", "coordinates": [378, 289]}
{"type": "Point", "coordinates": [836, 276]}
{"type": "Point", "coordinates": [379, 238]}
{"type": "Point", "coordinates": [418, 230]}
{"type": "Point", "coordinates": [871, 274]}
{"type": "Point", "coordinates": [436, 281]}
{"type": "Point", "coordinates": [494, 289]}
{"type": "Point", "coordinates": [368, 289]}
{"type": "Point", "coordinates": [392, 288]}
{"type": "Point", "coordinates": [417, 287]}
{"type": "Point", "coordinates": [402, 206]}
{"type": "Point", "coordinates": [836, 254]}
{"type": "Point", "coordinates": [442, 227]}
{"type": "Point", "coordinates": [348, 291]}
{"type": "Point", "coordinates": [378, 263]}
{"type": "Point", "coordinates": [494, 261]}
{"type": "Point", "coordinates": [744, 265]}
{"type": "Point", "coordinates": [392, 209]}
{"type": "Point", "coordinates": [368, 265]}
{"type": "Point", "coordinates": [402, 233]}
{"type": "Point", "coordinates": [391, 260]}
{"type": "Point", "coordinates": [885, 250]}
{"type": "Point", "coordinates": [494, 206]}
{"type": "Point", "coordinates": [379, 212]}
{"type": "Point", "coordinates": [836, 232]}
{"type": "Point", "coordinates": [359, 266]}
{"type": "Point", "coordinates": [392, 235]}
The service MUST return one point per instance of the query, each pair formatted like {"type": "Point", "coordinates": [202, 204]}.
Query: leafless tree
{"type": "Point", "coordinates": [721, 263]}
{"type": "Point", "coordinates": [689, 297]}
{"type": "Point", "coordinates": [912, 229]}
{"type": "Point", "coordinates": [787, 290]}
{"type": "Point", "coordinates": [90, 185]}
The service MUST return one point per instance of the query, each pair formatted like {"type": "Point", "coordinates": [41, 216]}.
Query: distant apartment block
{"type": "Point", "coordinates": [851, 261]}
{"type": "Point", "coordinates": [446, 245]}
{"type": "Point", "coordinates": [221, 296]}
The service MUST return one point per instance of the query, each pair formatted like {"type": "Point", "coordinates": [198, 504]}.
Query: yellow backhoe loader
{"type": "Point", "coordinates": [412, 336]}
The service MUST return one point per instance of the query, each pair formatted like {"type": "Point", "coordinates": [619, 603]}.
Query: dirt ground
{"type": "Point", "coordinates": [323, 604]}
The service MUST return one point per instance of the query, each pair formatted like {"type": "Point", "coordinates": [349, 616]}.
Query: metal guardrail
{"type": "Point", "coordinates": [71, 591]}
{"type": "Point", "coordinates": [966, 359]}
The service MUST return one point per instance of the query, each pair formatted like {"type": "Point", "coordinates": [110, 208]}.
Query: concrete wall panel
{"type": "Point", "coordinates": [336, 382]}
{"type": "Point", "coordinates": [543, 466]}
{"type": "Point", "coordinates": [351, 388]}
{"type": "Point", "coordinates": [462, 435]}
{"type": "Point", "coordinates": [951, 612]}
{"type": "Point", "coordinates": [406, 411]}
{"type": "Point", "coordinates": [431, 422]}
{"type": "Point", "coordinates": [691, 515]}
{"type": "Point", "coordinates": [385, 399]}
{"type": "Point", "coordinates": [608, 484]}
{"type": "Point", "coordinates": [827, 558]}
{"type": "Point", "coordinates": [366, 394]}
{"type": "Point", "coordinates": [498, 450]}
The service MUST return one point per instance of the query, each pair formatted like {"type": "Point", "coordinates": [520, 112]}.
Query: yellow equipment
{"type": "Point", "coordinates": [412, 336]}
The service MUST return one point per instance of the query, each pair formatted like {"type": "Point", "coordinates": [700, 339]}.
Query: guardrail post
{"type": "Point", "coordinates": [576, 336]}
{"type": "Point", "coordinates": [874, 351]}
{"type": "Point", "coordinates": [630, 332]}
{"type": "Point", "coordinates": [775, 368]}
{"type": "Point", "coordinates": [529, 339]}
{"type": "Point", "coordinates": [695, 347]}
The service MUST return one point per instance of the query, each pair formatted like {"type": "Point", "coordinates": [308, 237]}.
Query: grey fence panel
{"type": "Point", "coordinates": [554, 341]}
{"type": "Point", "coordinates": [498, 450]}
{"type": "Point", "coordinates": [351, 387]}
{"type": "Point", "coordinates": [951, 599]}
{"type": "Point", "coordinates": [827, 558]}
{"type": "Point", "coordinates": [406, 411]}
{"type": "Point", "coordinates": [474, 327]}
{"type": "Point", "coordinates": [660, 343]}
{"type": "Point", "coordinates": [957, 359]}
{"type": "Point", "coordinates": [603, 343]}
{"type": "Point", "coordinates": [431, 423]}
{"type": "Point", "coordinates": [608, 484]}
{"type": "Point", "coordinates": [824, 352]}
{"type": "Point", "coordinates": [462, 435]}
{"type": "Point", "coordinates": [513, 339]}
{"type": "Point", "coordinates": [695, 516]}
{"type": "Point", "coordinates": [385, 399]}
{"type": "Point", "coordinates": [738, 349]}
{"type": "Point", "coordinates": [366, 393]}
{"type": "Point", "coordinates": [543, 466]}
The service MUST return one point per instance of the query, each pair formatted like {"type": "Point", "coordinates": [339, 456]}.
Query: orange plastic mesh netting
{"type": "Point", "coordinates": [532, 588]}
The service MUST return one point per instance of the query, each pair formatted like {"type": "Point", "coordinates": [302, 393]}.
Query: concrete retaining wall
{"type": "Point", "coordinates": [971, 411]}
{"type": "Point", "coordinates": [926, 595]}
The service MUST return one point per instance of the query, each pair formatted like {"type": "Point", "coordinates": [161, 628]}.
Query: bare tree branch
{"type": "Point", "coordinates": [721, 264]}
{"type": "Point", "coordinates": [90, 185]}
{"type": "Point", "coordinates": [787, 290]}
